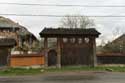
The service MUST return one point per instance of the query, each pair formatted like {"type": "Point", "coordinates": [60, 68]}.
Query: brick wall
{"type": "Point", "coordinates": [27, 60]}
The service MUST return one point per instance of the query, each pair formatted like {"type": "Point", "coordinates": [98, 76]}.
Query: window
{"type": "Point", "coordinates": [80, 40]}
{"type": "Point", "coordinates": [72, 40]}
{"type": "Point", "coordinates": [65, 40]}
{"type": "Point", "coordinates": [86, 40]}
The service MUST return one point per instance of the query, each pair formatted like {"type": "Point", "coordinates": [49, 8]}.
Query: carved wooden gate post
{"type": "Point", "coordinates": [59, 52]}
{"type": "Point", "coordinates": [93, 52]}
{"type": "Point", "coordinates": [46, 51]}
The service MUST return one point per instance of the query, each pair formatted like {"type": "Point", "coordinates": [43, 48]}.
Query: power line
{"type": "Point", "coordinates": [40, 15]}
{"type": "Point", "coordinates": [62, 5]}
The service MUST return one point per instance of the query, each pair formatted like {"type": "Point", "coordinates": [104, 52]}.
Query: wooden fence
{"type": "Point", "coordinates": [26, 60]}
{"type": "Point", "coordinates": [111, 58]}
{"type": "Point", "coordinates": [39, 59]}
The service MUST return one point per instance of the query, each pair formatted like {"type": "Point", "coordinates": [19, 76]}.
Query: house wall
{"type": "Point", "coordinates": [8, 34]}
{"type": "Point", "coordinates": [27, 60]}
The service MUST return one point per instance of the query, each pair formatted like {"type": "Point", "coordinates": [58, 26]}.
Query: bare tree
{"type": "Point", "coordinates": [78, 21]}
{"type": "Point", "coordinates": [117, 31]}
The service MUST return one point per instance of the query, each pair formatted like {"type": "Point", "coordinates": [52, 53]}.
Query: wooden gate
{"type": "Point", "coordinates": [76, 53]}
{"type": "Point", "coordinates": [52, 58]}
{"type": "Point", "coordinates": [3, 57]}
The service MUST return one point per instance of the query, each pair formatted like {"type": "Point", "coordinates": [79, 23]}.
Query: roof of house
{"type": "Point", "coordinates": [6, 22]}
{"type": "Point", "coordinates": [121, 38]}
{"type": "Point", "coordinates": [116, 46]}
{"type": "Point", "coordinates": [64, 32]}
{"type": "Point", "coordinates": [25, 33]}
{"type": "Point", "coordinates": [7, 42]}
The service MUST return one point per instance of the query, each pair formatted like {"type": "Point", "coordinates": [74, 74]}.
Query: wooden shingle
{"type": "Point", "coordinates": [64, 32]}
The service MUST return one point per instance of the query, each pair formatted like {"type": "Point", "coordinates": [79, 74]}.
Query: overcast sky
{"type": "Point", "coordinates": [35, 24]}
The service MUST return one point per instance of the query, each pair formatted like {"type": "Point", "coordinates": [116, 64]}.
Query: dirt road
{"type": "Point", "coordinates": [68, 77]}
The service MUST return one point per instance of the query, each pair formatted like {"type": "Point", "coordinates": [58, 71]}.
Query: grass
{"type": "Point", "coordinates": [86, 68]}
{"type": "Point", "coordinates": [20, 71]}
{"type": "Point", "coordinates": [31, 71]}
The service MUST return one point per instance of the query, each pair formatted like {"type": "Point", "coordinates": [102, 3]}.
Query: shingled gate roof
{"type": "Point", "coordinates": [7, 42]}
{"type": "Point", "coordinates": [65, 32]}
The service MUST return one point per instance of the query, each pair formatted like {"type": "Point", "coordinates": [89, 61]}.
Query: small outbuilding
{"type": "Point", "coordinates": [74, 46]}
{"type": "Point", "coordinates": [5, 50]}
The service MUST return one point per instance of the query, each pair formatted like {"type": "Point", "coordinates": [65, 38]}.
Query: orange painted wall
{"type": "Point", "coordinates": [26, 60]}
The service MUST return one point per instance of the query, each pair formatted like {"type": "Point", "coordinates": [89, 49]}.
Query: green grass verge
{"type": "Point", "coordinates": [86, 68]}
{"type": "Point", "coordinates": [20, 71]}
{"type": "Point", "coordinates": [31, 71]}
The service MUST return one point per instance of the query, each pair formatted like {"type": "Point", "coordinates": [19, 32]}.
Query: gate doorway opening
{"type": "Point", "coordinates": [52, 58]}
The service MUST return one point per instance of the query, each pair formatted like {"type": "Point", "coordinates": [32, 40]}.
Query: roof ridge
{"type": "Point", "coordinates": [67, 28]}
